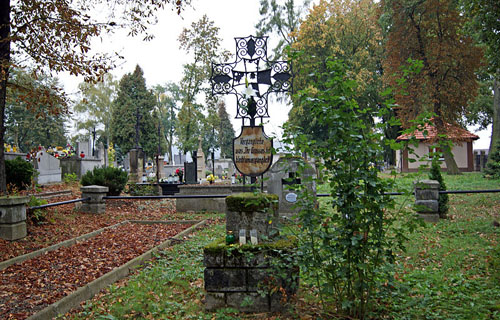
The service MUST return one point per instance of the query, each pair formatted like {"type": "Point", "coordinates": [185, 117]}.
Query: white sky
{"type": "Point", "coordinates": [162, 60]}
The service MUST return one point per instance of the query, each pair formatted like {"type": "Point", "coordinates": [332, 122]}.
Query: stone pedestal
{"type": "Point", "coordinates": [136, 157]}
{"type": "Point", "coordinates": [427, 200]}
{"type": "Point", "coordinates": [13, 217]}
{"type": "Point", "coordinates": [248, 211]}
{"type": "Point", "coordinates": [200, 161]}
{"type": "Point", "coordinates": [248, 278]}
{"type": "Point", "coordinates": [96, 204]}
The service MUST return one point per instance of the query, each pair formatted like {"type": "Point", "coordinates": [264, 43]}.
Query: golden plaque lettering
{"type": "Point", "coordinates": [252, 151]}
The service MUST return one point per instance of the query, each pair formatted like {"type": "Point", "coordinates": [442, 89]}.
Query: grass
{"type": "Point", "coordinates": [449, 271]}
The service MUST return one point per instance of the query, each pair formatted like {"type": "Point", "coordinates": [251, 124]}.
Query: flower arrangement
{"type": "Point", "coordinates": [180, 173]}
{"type": "Point", "coordinates": [211, 178]}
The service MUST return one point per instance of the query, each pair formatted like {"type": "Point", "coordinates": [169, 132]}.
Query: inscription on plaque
{"type": "Point", "coordinates": [252, 151]}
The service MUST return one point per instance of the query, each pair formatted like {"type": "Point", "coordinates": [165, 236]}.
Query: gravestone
{"type": "Point", "coordinates": [179, 159]}
{"type": "Point", "coordinates": [126, 162]}
{"type": "Point", "coordinates": [14, 155]}
{"type": "Point", "coordinates": [283, 175]}
{"type": "Point", "coordinates": [190, 173]}
{"type": "Point", "coordinates": [136, 157]}
{"type": "Point", "coordinates": [48, 167]}
{"type": "Point", "coordinates": [102, 154]}
{"type": "Point", "coordinates": [200, 161]}
{"type": "Point", "coordinates": [218, 171]}
{"type": "Point", "coordinates": [85, 147]}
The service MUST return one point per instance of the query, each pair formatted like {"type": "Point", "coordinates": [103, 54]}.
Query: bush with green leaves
{"type": "Point", "coordinates": [136, 189]}
{"type": "Point", "coordinates": [70, 178]}
{"type": "Point", "coordinates": [492, 169]}
{"type": "Point", "coordinates": [435, 174]}
{"type": "Point", "coordinates": [346, 248]}
{"type": "Point", "coordinates": [37, 215]}
{"type": "Point", "coordinates": [19, 173]}
{"type": "Point", "coordinates": [113, 178]}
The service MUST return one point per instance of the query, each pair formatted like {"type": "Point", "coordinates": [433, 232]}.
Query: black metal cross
{"type": "Point", "coordinates": [251, 77]}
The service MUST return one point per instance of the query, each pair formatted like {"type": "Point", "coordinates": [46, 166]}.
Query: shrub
{"type": "Point", "coordinates": [113, 178]}
{"type": "Point", "coordinates": [435, 174]}
{"type": "Point", "coordinates": [492, 169]}
{"type": "Point", "coordinates": [37, 215]}
{"type": "Point", "coordinates": [135, 189]}
{"type": "Point", "coordinates": [70, 178]}
{"type": "Point", "coordinates": [348, 246]}
{"type": "Point", "coordinates": [19, 173]}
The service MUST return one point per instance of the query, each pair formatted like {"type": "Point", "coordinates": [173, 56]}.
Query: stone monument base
{"type": "Point", "coordinates": [13, 217]}
{"type": "Point", "coordinates": [250, 278]}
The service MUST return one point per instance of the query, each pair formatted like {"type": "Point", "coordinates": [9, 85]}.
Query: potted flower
{"type": "Point", "coordinates": [211, 178]}
{"type": "Point", "coordinates": [180, 173]}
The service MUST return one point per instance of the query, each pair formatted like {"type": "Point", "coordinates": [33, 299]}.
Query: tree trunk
{"type": "Point", "coordinates": [451, 164]}
{"type": "Point", "coordinates": [495, 128]}
{"type": "Point", "coordinates": [4, 75]}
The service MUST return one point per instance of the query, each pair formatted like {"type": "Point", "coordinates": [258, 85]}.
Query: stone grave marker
{"type": "Point", "coordinates": [48, 167]}
{"type": "Point", "coordinates": [85, 147]}
{"type": "Point", "coordinates": [282, 176]}
{"type": "Point", "coordinates": [200, 161]}
{"type": "Point", "coordinates": [190, 173]}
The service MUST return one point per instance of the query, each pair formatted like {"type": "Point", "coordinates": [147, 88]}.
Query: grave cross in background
{"type": "Point", "coordinates": [251, 77]}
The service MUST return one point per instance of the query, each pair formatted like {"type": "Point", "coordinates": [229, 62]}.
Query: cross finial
{"type": "Point", "coordinates": [251, 77]}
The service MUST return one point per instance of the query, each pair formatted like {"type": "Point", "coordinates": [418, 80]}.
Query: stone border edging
{"type": "Point", "coordinates": [65, 243]}
{"type": "Point", "coordinates": [86, 292]}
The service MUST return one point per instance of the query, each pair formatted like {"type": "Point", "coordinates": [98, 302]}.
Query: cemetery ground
{"type": "Point", "coordinates": [30, 286]}
{"type": "Point", "coordinates": [449, 271]}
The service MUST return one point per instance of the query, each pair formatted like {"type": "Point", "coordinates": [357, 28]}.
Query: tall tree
{"type": "Point", "coordinates": [210, 132]}
{"type": "Point", "coordinates": [226, 131]}
{"type": "Point", "coordinates": [188, 127]}
{"type": "Point", "coordinates": [27, 122]}
{"type": "Point", "coordinates": [203, 42]}
{"type": "Point", "coordinates": [54, 36]}
{"type": "Point", "coordinates": [431, 32]}
{"type": "Point", "coordinates": [345, 30]}
{"type": "Point", "coordinates": [133, 106]}
{"type": "Point", "coordinates": [484, 16]}
{"type": "Point", "coordinates": [168, 97]}
{"type": "Point", "coordinates": [94, 105]}
{"type": "Point", "coordinates": [280, 20]}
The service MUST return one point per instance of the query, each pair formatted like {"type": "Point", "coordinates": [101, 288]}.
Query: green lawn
{"type": "Point", "coordinates": [447, 271]}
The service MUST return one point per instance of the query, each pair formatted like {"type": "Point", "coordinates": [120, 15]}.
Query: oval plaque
{"type": "Point", "coordinates": [291, 197]}
{"type": "Point", "coordinates": [252, 154]}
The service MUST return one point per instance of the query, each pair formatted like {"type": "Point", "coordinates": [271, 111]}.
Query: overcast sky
{"type": "Point", "coordinates": [162, 60]}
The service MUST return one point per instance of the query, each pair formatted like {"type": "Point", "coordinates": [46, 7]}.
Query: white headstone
{"type": "Point", "coordinates": [48, 167]}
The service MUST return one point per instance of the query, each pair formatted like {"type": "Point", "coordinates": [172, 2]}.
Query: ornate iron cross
{"type": "Point", "coordinates": [251, 77]}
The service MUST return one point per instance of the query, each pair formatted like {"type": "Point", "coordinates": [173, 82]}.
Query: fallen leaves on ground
{"type": "Point", "coordinates": [29, 287]}
{"type": "Point", "coordinates": [66, 222]}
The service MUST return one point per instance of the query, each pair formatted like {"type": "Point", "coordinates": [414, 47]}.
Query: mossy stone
{"type": "Point", "coordinates": [285, 243]}
{"type": "Point", "coordinates": [252, 202]}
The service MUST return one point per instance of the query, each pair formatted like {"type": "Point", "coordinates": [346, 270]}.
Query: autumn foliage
{"type": "Point", "coordinates": [431, 32]}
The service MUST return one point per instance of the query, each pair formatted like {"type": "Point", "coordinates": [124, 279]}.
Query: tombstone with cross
{"type": "Point", "coordinates": [251, 77]}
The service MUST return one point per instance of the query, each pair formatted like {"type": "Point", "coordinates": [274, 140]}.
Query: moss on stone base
{"type": "Point", "coordinates": [284, 243]}
{"type": "Point", "coordinates": [251, 202]}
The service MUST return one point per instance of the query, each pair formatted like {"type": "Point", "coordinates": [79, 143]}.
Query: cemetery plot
{"type": "Point", "coordinates": [64, 222]}
{"type": "Point", "coordinates": [29, 287]}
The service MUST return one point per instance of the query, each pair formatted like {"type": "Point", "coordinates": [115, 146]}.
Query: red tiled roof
{"type": "Point", "coordinates": [453, 132]}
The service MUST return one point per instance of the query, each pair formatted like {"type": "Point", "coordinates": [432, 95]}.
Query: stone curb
{"type": "Point", "coordinates": [86, 292]}
{"type": "Point", "coordinates": [51, 194]}
{"type": "Point", "coordinates": [65, 243]}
